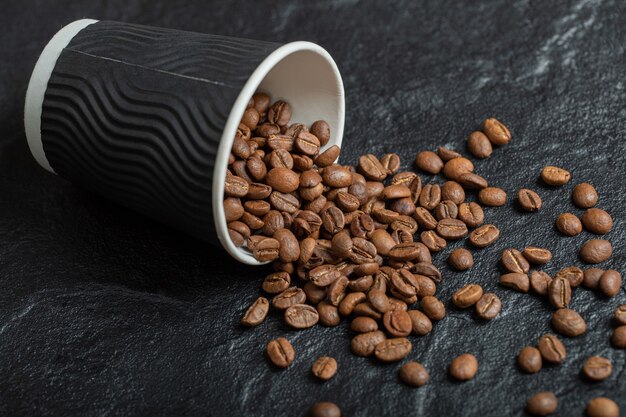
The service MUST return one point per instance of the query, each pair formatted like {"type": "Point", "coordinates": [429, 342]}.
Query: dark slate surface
{"type": "Point", "coordinates": [103, 312]}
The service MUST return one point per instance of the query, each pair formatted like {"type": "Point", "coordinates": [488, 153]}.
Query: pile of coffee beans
{"type": "Point", "coordinates": [357, 242]}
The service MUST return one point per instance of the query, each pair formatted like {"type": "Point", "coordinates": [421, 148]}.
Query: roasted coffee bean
{"type": "Point", "coordinates": [257, 208]}
{"type": "Point", "coordinates": [280, 352]}
{"type": "Point", "coordinates": [276, 282]}
{"type": "Point", "coordinates": [267, 129]}
{"type": "Point", "coordinates": [364, 325]}
{"type": "Point", "coordinates": [573, 274]}
{"type": "Point", "coordinates": [584, 195]}
{"type": "Point", "coordinates": [364, 344]}
{"type": "Point", "coordinates": [337, 176]}
{"type": "Point", "coordinates": [261, 103]}
{"type": "Point", "coordinates": [529, 360]}
{"type": "Point", "coordinates": [560, 292]}
{"type": "Point", "coordinates": [597, 368]}
{"type": "Point", "coordinates": [597, 221]}
{"type": "Point", "coordinates": [321, 130]}
{"type": "Point", "coordinates": [397, 322]}
{"type": "Point", "coordinates": [602, 407]}
{"type": "Point", "coordinates": [404, 283]}
{"type": "Point", "coordinates": [283, 180]}
{"type": "Point", "coordinates": [591, 277]}
{"type": "Point", "coordinates": [467, 296]}
{"type": "Point", "coordinates": [451, 229]}
{"type": "Point", "coordinates": [289, 247]}
{"type": "Point", "coordinates": [328, 157]}
{"type": "Point", "coordinates": [497, 133]}
{"type": "Point", "coordinates": [471, 214]}
{"type": "Point", "coordinates": [528, 200]}
{"type": "Point", "coordinates": [258, 191]}
{"type": "Point", "coordinates": [407, 251]}
{"type": "Point", "coordinates": [542, 404]}
{"type": "Point", "coordinates": [446, 154]}
{"type": "Point", "coordinates": [540, 282]}
{"type": "Point", "coordinates": [479, 145]}
{"type": "Point", "coordinates": [391, 162]}
{"type": "Point", "coordinates": [233, 210]}
{"type": "Point", "coordinates": [461, 259]}
{"type": "Point", "coordinates": [428, 270]}
{"type": "Point", "coordinates": [425, 286]}
{"type": "Point", "coordinates": [516, 280]}
{"type": "Point", "coordinates": [471, 181]}
{"type": "Point", "coordinates": [392, 192]}
{"type": "Point", "coordinates": [620, 314]}
{"type": "Point", "coordinates": [371, 168]}
{"type": "Point", "coordinates": [429, 162]}
{"type": "Point", "coordinates": [325, 409]}
{"type": "Point", "coordinates": [555, 176]}
{"type": "Point", "coordinates": [284, 202]}
{"type": "Point", "coordinates": [301, 316]}
{"type": "Point", "coordinates": [454, 168]}
{"type": "Point", "coordinates": [513, 261]}
{"type": "Point", "coordinates": [396, 304]}
{"type": "Point", "coordinates": [253, 222]}
{"type": "Point", "coordinates": [266, 249]}
{"type": "Point", "coordinates": [235, 186]}
{"type": "Point", "coordinates": [618, 338]}
{"type": "Point", "coordinates": [446, 209]}
{"type": "Point", "coordinates": [464, 367]}
{"type": "Point", "coordinates": [430, 196]}
{"type": "Point", "coordinates": [425, 219]}
{"type": "Point", "coordinates": [383, 241]}
{"type": "Point", "coordinates": [279, 113]}
{"type": "Point", "coordinates": [363, 251]}
{"type": "Point", "coordinates": [538, 256]}
{"type": "Point", "coordinates": [239, 232]}
{"type": "Point", "coordinates": [256, 313]}
{"type": "Point", "coordinates": [484, 236]}
{"type": "Point", "coordinates": [489, 306]}
{"type": "Point", "coordinates": [434, 309]}
{"type": "Point", "coordinates": [432, 241]}
{"type": "Point", "coordinates": [328, 314]}
{"type": "Point", "coordinates": [568, 224]}
{"type": "Point", "coordinates": [324, 275]}
{"type": "Point", "coordinates": [333, 220]}
{"type": "Point", "coordinates": [551, 348]}
{"type": "Point", "coordinates": [337, 290]}
{"type": "Point", "coordinates": [272, 222]}
{"type": "Point", "coordinates": [452, 190]}
{"type": "Point", "coordinates": [350, 301]}
{"type": "Point", "coordinates": [492, 197]}
{"type": "Point", "coordinates": [414, 374]}
{"type": "Point", "coordinates": [420, 323]}
{"type": "Point", "coordinates": [403, 206]}
{"type": "Point", "coordinates": [393, 350]}
{"type": "Point", "coordinates": [595, 251]}
{"type": "Point", "coordinates": [324, 368]}
{"type": "Point", "coordinates": [346, 201]}
{"type": "Point", "coordinates": [405, 178]}
{"type": "Point", "coordinates": [306, 143]}
{"type": "Point", "coordinates": [280, 141]}
{"type": "Point", "coordinates": [366, 309]}
{"type": "Point", "coordinates": [378, 299]}
{"type": "Point", "coordinates": [289, 297]}
{"type": "Point", "coordinates": [610, 283]}
{"type": "Point", "coordinates": [568, 322]}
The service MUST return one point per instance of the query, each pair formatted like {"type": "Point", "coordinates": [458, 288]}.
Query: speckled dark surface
{"type": "Point", "coordinates": [103, 312]}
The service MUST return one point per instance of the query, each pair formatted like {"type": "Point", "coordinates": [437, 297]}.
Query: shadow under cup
{"type": "Point", "coordinates": [146, 116]}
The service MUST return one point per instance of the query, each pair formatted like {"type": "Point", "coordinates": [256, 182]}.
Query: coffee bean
{"type": "Point", "coordinates": [328, 157]}
{"type": "Point", "coordinates": [432, 241]}
{"type": "Point", "coordinates": [267, 249]}
{"type": "Point", "coordinates": [516, 280]}
{"type": "Point", "coordinates": [584, 195]}
{"type": "Point", "coordinates": [461, 259]}
{"type": "Point", "coordinates": [452, 190]}
{"type": "Point", "coordinates": [321, 130]}
{"type": "Point", "coordinates": [393, 350]}
{"type": "Point", "coordinates": [366, 309]}
{"type": "Point", "coordinates": [602, 407]}
{"type": "Point", "coordinates": [258, 208]}
{"type": "Point", "coordinates": [560, 292]}
{"type": "Point", "coordinates": [430, 196]}
{"type": "Point", "coordinates": [280, 141]}
{"type": "Point", "coordinates": [258, 191]}
{"type": "Point", "coordinates": [471, 214]}
{"type": "Point", "coordinates": [555, 176]}
{"type": "Point", "coordinates": [280, 352]}
{"type": "Point", "coordinates": [467, 296]}
{"type": "Point", "coordinates": [289, 297]}
{"type": "Point", "coordinates": [528, 200]}
{"type": "Point", "coordinates": [233, 210]}
{"type": "Point", "coordinates": [540, 282]}
{"type": "Point", "coordinates": [618, 338]}
{"type": "Point", "coordinates": [239, 232]}
{"type": "Point", "coordinates": [454, 168]}
{"type": "Point", "coordinates": [306, 143]}
{"type": "Point", "coordinates": [492, 197]}
{"type": "Point", "coordinates": [429, 162]}
{"type": "Point", "coordinates": [328, 313]}
{"type": "Point", "coordinates": [396, 191]}
{"type": "Point", "coordinates": [397, 323]}
{"type": "Point", "coordinates": [489, 306]}
{"type": "Point", "coordinates": [364, 344]}
{"type": "Point", "coordinates": [529, 360]}
{"type": "Point", "coordinates": [484, 236]}
{"type": "Point", "coordinates": [597, 368]}
{"type": "Point", "coordinates": [551, 348]}
{"type": "Point", "coordinates": [542, 404]}
{"type": "Point", "coordinates": [301, 316]}
{"type": "Point", "coordinates": [595, 251]}
{"type": "Point", "coordinates": [363, 325]}
{"type": "Point", "coordinates": [391, 162]}
{"type": "Point", "coordinates": [371, 168]}
{"type": "Point", "coordinates": [513, 261]}
{"type": "Point", "coordinates": [414, 374]}
{"type": "Point", "coordinates": [620, 314]}
{"type": "Point", "coordinates": [283, 180]}
{"type": "Point", "coordinates": [464, 367]}
{"type": "Point", "coordinates": [324, 275]}
{"type": "Point", "coordinates": [256, 313]}
{"type": "Point", "coordinates": [267, 129]}
{"type": "Point", "coordinates": [289, 247]}
{"type": "Point", "coordinates": [497, 133]}
{"type": "Point", "coordinates": [407, 251]}
{"type": "Point", "coordinates": [324, 368]}
{"type": "Point", "coordinates": [591, 277]}
{"type": "Point", "coordinates": [420, 323]}
{"type": "Point", "coordinates": [597, 221]}
{"type": "Point", "coordinates": [350, 301]}
{"type": "Point", "coordinates": [573, 274]}
{"type": "Point", "coordinates": [404, 283]}
{"type": "Point", "coordinates": [235, 186]}
{"type": "Point", "coordinates": [325, 409]}
{"type": "Point", "coordinates": [451, 229]}
{"type": "Point", "coordinates": [446, 154]}
{"type": "Point", "coordinates": [261, 103]}
{"type": "Point", "coordinates": [425, 219]}
{"type": "Point", "coordinates": [284, 202]}
{"type": "Point", "coordinates": [279, 113]}
{"type": "Point", "coordinates": [337, 290]}
{"type": "Point", "coordinates": [538, 256]}
{"type": "Point", "coordinates": [568, 322]}
{"type": "Point", "coordinates": [428, 270]}
{"type": "Point", "coordinates": [276, 282]}
{"type": "Point", "coordinates": [568, 224]}
{"type": "Point", "coordinates": [337, 176]}
{"type": "Point", "coordinates": [378, 299]}
{"type": "Point", "coordinates": [434, 309]}
{"type": "Point", "coordinates": [471, 181]}
{"type": "Point", "coordinates": [479, 145]}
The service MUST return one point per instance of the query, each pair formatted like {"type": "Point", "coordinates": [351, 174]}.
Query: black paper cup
{"type": "Point", "coordinates": [146, 116]}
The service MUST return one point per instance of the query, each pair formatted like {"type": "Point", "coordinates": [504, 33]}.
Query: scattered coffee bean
{"type": "Point", "coordinates": [618, 338]}
{"type": "Point", "coordinates": [568, 322]}
{"type": "Point", "coordinates": [280, 352]}
{"type": "Point", "coordinates": [540, 282]}
{"type": "Point", "coordinates": [364, 325]}
{"type": "Point", "coordinates": [301, 316]}
{"type": "Point", "coordinates": [497, 133]}
{"type": "Point", "coordinates": [560, 292]}
{"type": "Point", "coordinates": [454, 168]}
{"type": "Point", "coordinates": [538, 256]}
{"type": "Point", "coordinates": [484, 236]}
{"type": "Point", "coordinates": [393, 350]}
{"type": "Point", "coordinates": [516, 280]}
{"type": "Point", "coordinates": [568, 224]}
{"type": "Point", "coordinates": [425, 220]}
{"type": "Point", "coordinates": [434, 309]}
{"type": "Point", "coordinates": [479, 145]}
{"type": "Point", "coordinates": [529, 360]}
{"type": "Point", "coordinates": [256, 313]}
{"type": "Point", "coordinates": [420, 323]}
{"type": "Point", "coordinates": [365, 343]}
{"type": "Point", "coordinates": [591, 277]}
{"type": "Point", "coordinates": [433, 241]}
{"type": "Point", "coordinates": [584, 195]}
{"type": "Point", "coordinates": [325, 409]}
{"type": "Point", "coordinates": [555, 176]}
{"type": "Point", "coordinates": [595, 251]}
{"type": "Point", "coordinates": [542, 404]}
{"type": "Point", "coordinates": [597, 221]}
{"type": "Point", "coordinates": [414, 374]}
{"type": "Point", "coordinates": [597, 368]}
{"type": "Point", "coordinates": [324, 368]}
{"type": "Point", "coordinates": [289, 297]}
{"type": "Point", "coordinates": [551, 348]}
{"type": "Point", "coordinates": [467, 296]}
{"type": "Point", "coordinates": [429, 162]}
{"type": "Point", "coordinates": [328, 314]}
{"type": "Point", "coordinates": [471, 214]}
{"type": "Point", "coordinates": [620, 314]}
{"type": "Point", "coordinates": [464, 367]}
{"type": "Point", "coordinates": [528, 200]}
{"type": "Point", "coordinates": [452, 190]}
{"type": "Point", "coordinates": [513, 261]}
{"type": "Point", "coordinates": [602, 407]}
{"type": "Point", "coordinates": [446, 154]}
{"type": "Point", "coordinates": [492, 197]}
{"type": "Point", "coordinates": [397, 323]}
{"type": "Point", "coordinates": [573, 274]}
{"type": "Point", "coordinates": [461, 259]}
{"type": "Point", "coordinates": [451, 229]}
{"type": "Point", "coordinates": [276, 282]}
{"type": "Point", "coordinates": [371, 168]}
{"type": "Point", "coordinates": [489, 306]}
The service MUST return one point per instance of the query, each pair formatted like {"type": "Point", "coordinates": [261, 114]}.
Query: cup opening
{"type": "Point", "coordinates": [301, 73]}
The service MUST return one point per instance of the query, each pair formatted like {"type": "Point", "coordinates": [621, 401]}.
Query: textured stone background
{"type": "Point", "coordinates": [103, 312]}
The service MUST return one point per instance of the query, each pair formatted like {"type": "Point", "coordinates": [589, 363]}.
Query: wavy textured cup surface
{"type": "Point", "coordinates": [146, 116]}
